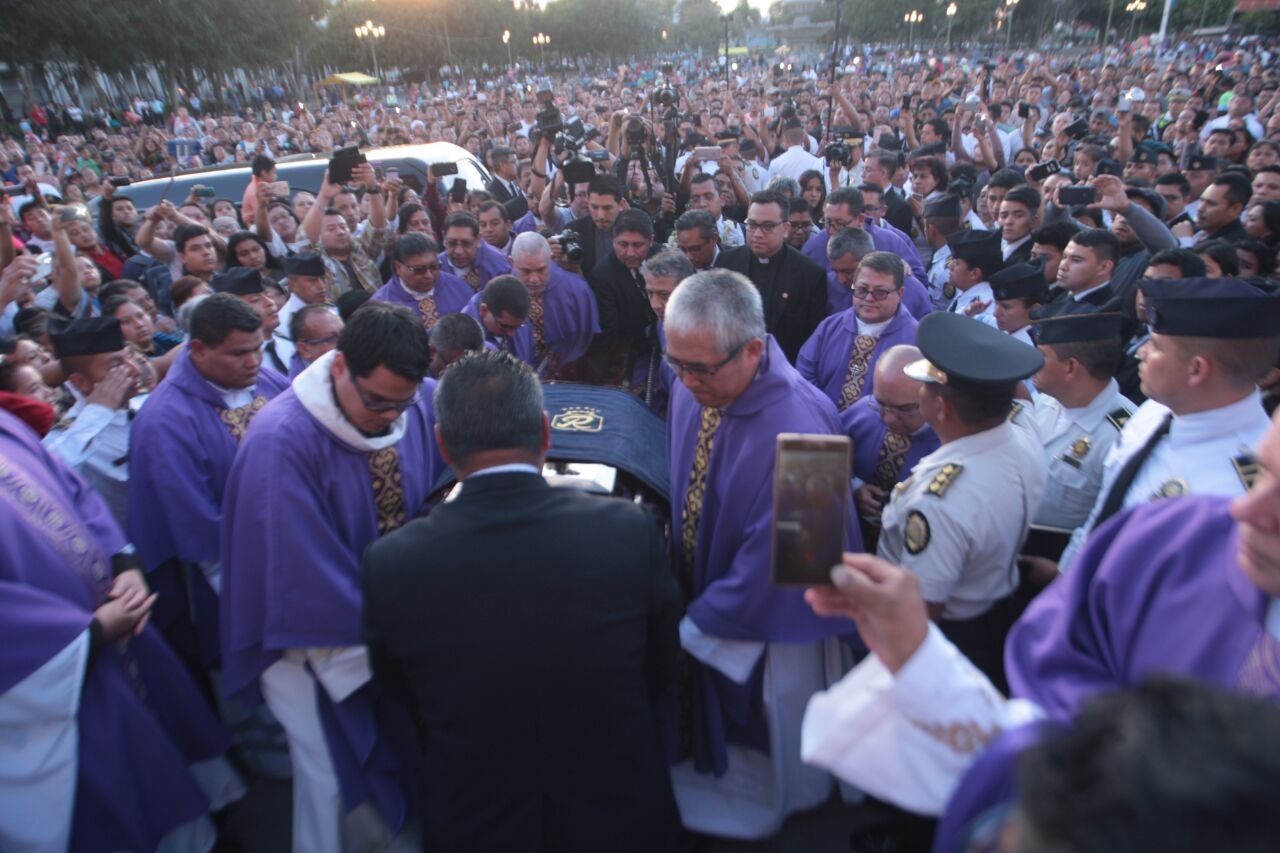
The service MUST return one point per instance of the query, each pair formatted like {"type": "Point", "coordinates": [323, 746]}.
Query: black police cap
{"type": "Point", "coordinates": [1224, 308]}
{"type": "Point", "coordinates": [90, 336]}
{"type": "Point", "coordinates": [963, 352]}
{"type": "Point", "coordinates": [238, 281]}
{"type": "Point", "coordinates": [1020, 281]}
{"type": "Point", "coordinates": [1078, 328]}
{"type": "Point", "coordinates": [977, 248]}
{"type": "Point", "coordinates": [304, 263]}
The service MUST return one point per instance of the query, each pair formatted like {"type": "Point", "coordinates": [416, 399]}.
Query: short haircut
{"type": "Point", "coordinates": [298, 320]}
{"type": "Point", "coordinates": [605, 185]}
{"type": "Point", "coordinates": [1006, 179]}
{"type": "Point", "coordinates": [506, 294]}
{"type": "Point", "coordinates": [185, 234]}
{"type": "Point", "coordinates": [1265, 255]}
{"type": "Point", "coordinates": [457, 332]}
{"type": "Point", "coordinates": [636, 221]}
{"type": "Point", "coordinates": [1175, 179]}
{"type": "Point", "coordinates": [489, 401]}
{"type": "Point", "coordinates": [1222, 253]}
{"type": "Point", "coordinates": [850, 240]}
{"type": "Point", "coordinates": [721, 301]}
{"type": "Point", "coordinates": [112, 304]}
{"type": "Point", "coordinates": [219, 315]}
{"type": "Point", "coordinates": [1056, 234]}
{"type": "Point", "coordinates": [1191, 264]}
{"type": "Point", "coordinates": [786, 187]}
{"type": "Point", "coordinates": [871, 188]}
{"type": "Point", "coordinates": [850, 197]}
{"type": "Point", "coordinates": [933, 166]}
{"type": "Point", "coordinates": [119, 287]}
{"type": "Point", "coordinates": [413, 244]}
{"type": "Point", "coordinates": [668, 263]}
{"type": "Point", "coordinates": [493, 205]}
{"type": "Point", "coordinates": [381, 334]}
{"type": "Point", "coordinates": [1239, 189]}
{"type": "Point", "coordinates": [350, 302]}
{"type": "Point", "coordinates": [887, 161]}
{"type": "Point", "coordinates": [1099, 358]}
{"type": "Point", "coordinates": [461, 219]}
{"type": "Point", "coordinates": [501, 154]}
{"type": "Point", "coordinates": [799, 205]}
{"type": "Point", "coordinates": [530, 243]}
{"type": "Point", "coordinates": [978, 407]}
{"type": "Point", "coordinates": [886, 263]}
{"type": "Point", "coordinates": [700, 220]}
{"type": "Point", "coordinates": [1101, 242]}
{"type": "Point", "coordinates": [702, 178]}
{"type": "Point", "coordinates": [773, 197]}
{"type": "Point", "coordinates": [29, 206]}
{"type": "Point", "coordinates": [261, 165]}
{"type": "Point", "coordinates": [1152, 199]}
{"type": "Point", "coordinates": [1025, 196]}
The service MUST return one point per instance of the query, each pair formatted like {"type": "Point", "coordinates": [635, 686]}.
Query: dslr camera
{"type": "Point", "coordinates": [571, 243]}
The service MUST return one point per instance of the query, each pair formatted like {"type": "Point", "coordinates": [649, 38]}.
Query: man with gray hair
{"type": "Point", "coordinates": [452, 338]}
{"type": "Point", "coordinates": [751, 644]}
{"type": "Point", "coordinates": [652, 377]}
{"type": "Point", "coordinates": [845, 250]}
{"type": "Point", "coordinates": [582, 627]}
{"type": "Point", "coordinates": [562, 307]}
{"type": "Point", "coordinates": [840, 358]}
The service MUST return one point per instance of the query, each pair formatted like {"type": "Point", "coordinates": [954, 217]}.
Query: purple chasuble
{"type": "Point", "coordinates": [489, 263]}
{"type": "Point", "coordinates": [1155, 589]}
{"type": "Point", "coordinates": [300, 511]}
{"type": "Point", "coordinates": [451, 295]}
{"type": "Point", "coordinates": [523, 224]}
{"type": "Point", "coordinates": [296, 365]}
{"type": "Point", "coordinates": [141, 721]}
{"type": "Point", "coordinates": [864, 426]}
{"type": "Point", "coordinates": [521, 345]}
{"type": "Point", "coordinates": [885, 239]}
{"type": "Point", "coordinates": [570, 315]}
{"type": "Point", "coordinates": [733, 597]}
{"type": "Point", "coordinates": [824, 358]}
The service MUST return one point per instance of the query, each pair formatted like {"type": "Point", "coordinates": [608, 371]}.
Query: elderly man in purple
{"type": "Point", "coordinates": [104, 733]}
{"type": "Point", "coordinates": [563, 315]}
{"type": "Point", "coordinates": [182, 445]}
{"type": "Point", "coordinates": [844, 209]}
{"type": "Point", "coordinates": [345, 456]}
{"type": "Point", "coordinates": [1188, 586]}
{"type": "Point", "coordinates": [419, 284]}
{"type": "Point", "coordinates": [755, 652]}
{"type": "Point", "coordinates": [469, 257]}
{"type": "Point", "coordinates": [840, 357]}
{"type": "Point", "coordinates": [652, 377]}
{"type": "Point", "coordinates": [502, 310]}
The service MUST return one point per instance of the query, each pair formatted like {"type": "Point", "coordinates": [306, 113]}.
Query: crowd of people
{"type": "Point", "coordinates": [1036, 291]}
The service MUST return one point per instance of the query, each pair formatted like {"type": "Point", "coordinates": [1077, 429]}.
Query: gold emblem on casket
{"type": "Point", "coordinates": [578, 419]}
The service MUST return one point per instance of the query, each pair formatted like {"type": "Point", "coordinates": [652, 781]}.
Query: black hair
{"type": "Point", "coordinates": [234, 241]}
{"type": "Point", "coordinates": [298, 319]}
{"type": "Point", "coordinates": [637, 221]}
{"type": "Point", "coordinates": [351, 301]}
{"type": "Point", "coordinates": [118, 287]}
{"type": "Point", "coordinates": [457, 332]}
{"type": "Point", "coordinates": [1265, 254]}
{"type": "Point", "coordinates": [1026, 196]}
{"type": "Point", "coordinates": [1102, 242]}
{"type": "Point", "coordinates": [261, 165]}
{"type": "Point", "coordinates": [1175, 179]}
{"type": "Point", "coordinates": [493, 205]}
{"type": "Point", "coordinates": [1152, 199]}
{"type": "Point", "coordinates": [1191, 264]}
{"type": "Point", "coordinates": [462, 219]}
{"type": "Point", "coordinates": [799, 205]}
{"type": "Point", "coordinates": [850, 197]}
{"type": "Point", "coordinates": [185, 233]}
{"type": "Point", "coordinates": [605, 185]}
{"type": "Point", "coordinates": [407, 212]}
{"type": "Point", "coordinates": [506, 294]}
{"type": "Point", "coordinates": [1239, 189]}
{"type": "Point", "coordinates": [381, 334]}
{"type": "Point", "coordinates": [413, 244]}
{"type": "Point", "coordinates": [1006, 178]}
{"type": "Point", "coordinates": [217, 316]}
{"type": "Point", "coordinates": [700, 220]}
{"type": "Point", "coordinates": [489, 401]}
{"type": "Point", "coordinates": [1222, 253]}
{"type": "Point", "coordinates": [1056, 234]}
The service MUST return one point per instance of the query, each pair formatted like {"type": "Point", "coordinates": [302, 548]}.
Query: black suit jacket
{"type": "Point", "coordinates": [797, 301]}
{"type": "Point", "coordinates": [534, 629]}
{"type": "Point", "coordinates": [1021, 255]}
{"type": "Point", "coordinates": [898, 213]}
{"type": "Point", "coordinates": [1232, 232]}
{"type": "Point", "coordinates": [586, 229]}
{"type": "Point", "coordinates": [515, 203]}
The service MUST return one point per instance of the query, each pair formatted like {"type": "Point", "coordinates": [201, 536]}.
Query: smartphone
{"type": "Point", "coordinates": [1024, 110]}
{"type": "Point", "coordinates": [344, 160]}
{"type": "Point", "coordinates": [1074, 195]}
{"type": "Point", "coordinates": [906, 102]}
{"type": "Point", "coordinates": [707, 153]}
{"type": "Point", "coordinates": [810, 507]}
{"type": "Point", "coordinates": [119, 182]}
{"type": "Point", "coordinates": [204, 192]}
{"type": "Point", "coordinates": [458, 192]}
{"type": "Point", "coordinates": [15, 190]}
{"type": "Point", "coordinates": [1124, 106]}
{"type": "Point", "coordinates": [391, 172]}
{"type": "Point", "coordinates": [280, 189]}
{"type": "Point", "coordinates": [440, 170]}
{"type": "Point", "coordinates": [73, 213]}
{"type": "Point", "coordinates": [1040, 171]}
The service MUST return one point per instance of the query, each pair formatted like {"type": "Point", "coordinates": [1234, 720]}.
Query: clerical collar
{"type": "Point", "coordinates": [1082, 294]}
{"type": "Point", "coordinates": [771, 257]}
{"type": "Point", "coordinates": [873, 330]}
{"type": "Point", "coordinates": [415, 294]}
{"type": "Point", "coordinates": [234, 398]}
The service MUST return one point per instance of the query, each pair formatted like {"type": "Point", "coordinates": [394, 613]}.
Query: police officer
{"type": "Point", "coordinates": [1211, 341]}
{"type": "Point", "coordinates": [959, 521]}
{"type": "Point", "coordinates": [1078, 414]}
{"type": "Point", "coordinates": [941, 218]}
{"type": "Point", "coordinates": [1017, 289]}
{"type": "Point", "coordinates": [93, 437]}
{"type": "Point", "coordinates": [975, 257]}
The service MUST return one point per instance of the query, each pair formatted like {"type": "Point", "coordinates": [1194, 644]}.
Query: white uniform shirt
{"type": "Point", "coordinates": [94, 440]}
{"type": "Point", "coordinates": [793, 163]}
{"type": "Point", "coordinates": [979, 292]}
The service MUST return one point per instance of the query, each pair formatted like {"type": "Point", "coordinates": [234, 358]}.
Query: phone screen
{"type": "Point", "coordinates": [810, 507]}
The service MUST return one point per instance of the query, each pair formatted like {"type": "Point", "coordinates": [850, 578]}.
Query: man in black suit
{"type": "Point", "coordinates": [1084, 273]}
{"type": "Point", "coordinates": [1221, 204]}
{"type": "Point", "coordinates": [533, 630]}
{"type": "Point", "coordinates": [605, 200]}
{"type": "Point", "coordinates": [504, 187]}
{"type": "Point", "coordinates": [1018, 218]}
{"type": "Point", "coordinates": [792, 287]}
{"type": "Point", "coordinates": [626, 318]}
{"type": "Point", "coordinates": [877, 171]}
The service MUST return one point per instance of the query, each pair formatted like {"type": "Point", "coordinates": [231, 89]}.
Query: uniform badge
{"type": "Point", "coordinates": [1246, 465]}
{"type": "Point", "coordinates": [1080, 447]}
{"type": "Point", "coordinates": [949, 291]}
{"type": "Point", "coordinates": [1175, 488]}
{"type": "Point", "coordinates": [944, 479]}
{"type": "Point", "coordinates": [916, 532]}
{"type": "Point", "coordinates": [1015, 410]}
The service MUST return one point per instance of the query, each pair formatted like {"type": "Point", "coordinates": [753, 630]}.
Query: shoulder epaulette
{"type": "Point", "coordinates": [1015, 410]}
{"type": "Point", "coordinates": [1246, 465]}
{"type": "Point", "coordinates": [65, 423]}
{"type": "Point", "coordinates": [1118, 418]}
{"type": "Point", "coordinates": [944, 478]}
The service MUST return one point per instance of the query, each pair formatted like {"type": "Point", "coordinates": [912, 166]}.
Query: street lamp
{"type": "Point", "coordinates": [1134, 8]}
{"type": "Point", "coordinates": [506, 39]}
{"type": "Point", "coordinates": [1008, 22]}
{"type": "Point", "coordinates": [371, 32]}
{"type": "Point", "coordinates": [911, 19]}
{"type": "Point", "coordinates": [542, 40]}
{"type": "Point", "coordinates": [951, 13]}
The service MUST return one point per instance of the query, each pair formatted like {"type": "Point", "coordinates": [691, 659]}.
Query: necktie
{"type": "Point", "coordinates": [275, 358]}
{"type": "Point", "coordinates": [893, 451]}
{"type": "Point", "coordinates": [238, 419]}
{"type": "Point", "coordinates": [388, 489]}
{"type": "Point", "coordinates": [473, 278]}
{"type": "Point", "coordinates": [535, 320]}
{"type": "Point", "coordinates": [427, 307]}
{"type": "Point", "coordinates": [856, 377]}
{"type": "Point", "coordinates": [691, 513]}
{"type": "Point", "coordinates": [1120, 487]}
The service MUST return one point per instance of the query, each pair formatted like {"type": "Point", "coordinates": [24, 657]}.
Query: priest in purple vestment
{"type": "Point", "coordinates": [419, 284]}
{"type": "Point", "coordinates": [563, 315]}
{"type": "Point", "coordinates": [754, 650]}
{"type": "Point", "coordinates": [101, 725]}
{"type": "Point", "coordinates": [468, 256]}
{"type": "Point", "coordinates": [182, 443]}
{"type": "Point", "coordinates": [840, 357]}
{"type": "Point", "coordinates": [502, 309]}
{"type": "Point", "coordinates": [844, 209]}
{"type": "Point", "coordinates": [344, 456]}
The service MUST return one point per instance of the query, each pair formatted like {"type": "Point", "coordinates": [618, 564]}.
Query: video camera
{"type": "Point", "coordinates": [571, 139]}
{"type": "Point", "coordinates": [841, 150]}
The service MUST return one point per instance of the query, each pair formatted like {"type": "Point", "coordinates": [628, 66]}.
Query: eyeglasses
{"type": "Point", "coordinates": [801, 226]}
{"type": "Point", "coordinates": [508, 328]}
{"type": "Point", "coordinates": [702, 371]}
{"type": "Point", "coordinates": [886, 408]}
{"type": "Point", "coordinates": [385, 405]}
{"type": "Point", "coordinates": [422, 269]}
{"type": "Point", "coordinates": [874, 295]}
{"type": "Point", "coordinates": [659, 295]}
{"type": "Point", "coordinates": [459, 244]}
{"type": "Point", "coordinates": [316, 342]}
{"type": "Point", "coordinates": [763, 226]}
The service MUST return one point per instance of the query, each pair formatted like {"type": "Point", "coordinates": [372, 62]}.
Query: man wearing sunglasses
{"type": "Point", "coordinates": [736, 393]}
{"type": "Point", "coordinates": [419, 283]}
{"type": "Point", "coordinates": [346, 455]}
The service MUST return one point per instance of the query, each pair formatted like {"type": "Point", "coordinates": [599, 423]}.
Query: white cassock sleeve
{"type": "Point", "coordinates": [908, 738]}
{"type": "Point", "coordinates": [39, 751]}
{"type": "Point", "coordinates": [342, 670]}
{"type": "Point", "coordinates": [735, 659]}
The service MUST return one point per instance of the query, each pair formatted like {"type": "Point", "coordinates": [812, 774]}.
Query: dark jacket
{"type": "Point", "coordinates": [898, 213]}
{"type": "Point", "coordinates": [796, 300]}
{"type": "Point", "coordinates": [516, 204]}
{"type": "Point", "coordinates": [533, 630]}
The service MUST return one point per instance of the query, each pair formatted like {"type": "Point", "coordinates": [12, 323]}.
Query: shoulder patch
{"type": "Point", "coordinates": [1015, 410]}
{"type": "Point", "coordinates": [916, 532]}
{"type": "Point", "coordinates": [1246, 465]}
{"type": "Point", "coordinates": [1118, 418]}
{"type": "Point", "coordinates": [944, 478]}
{"type": "Point", "coordinates": [65, 423]}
